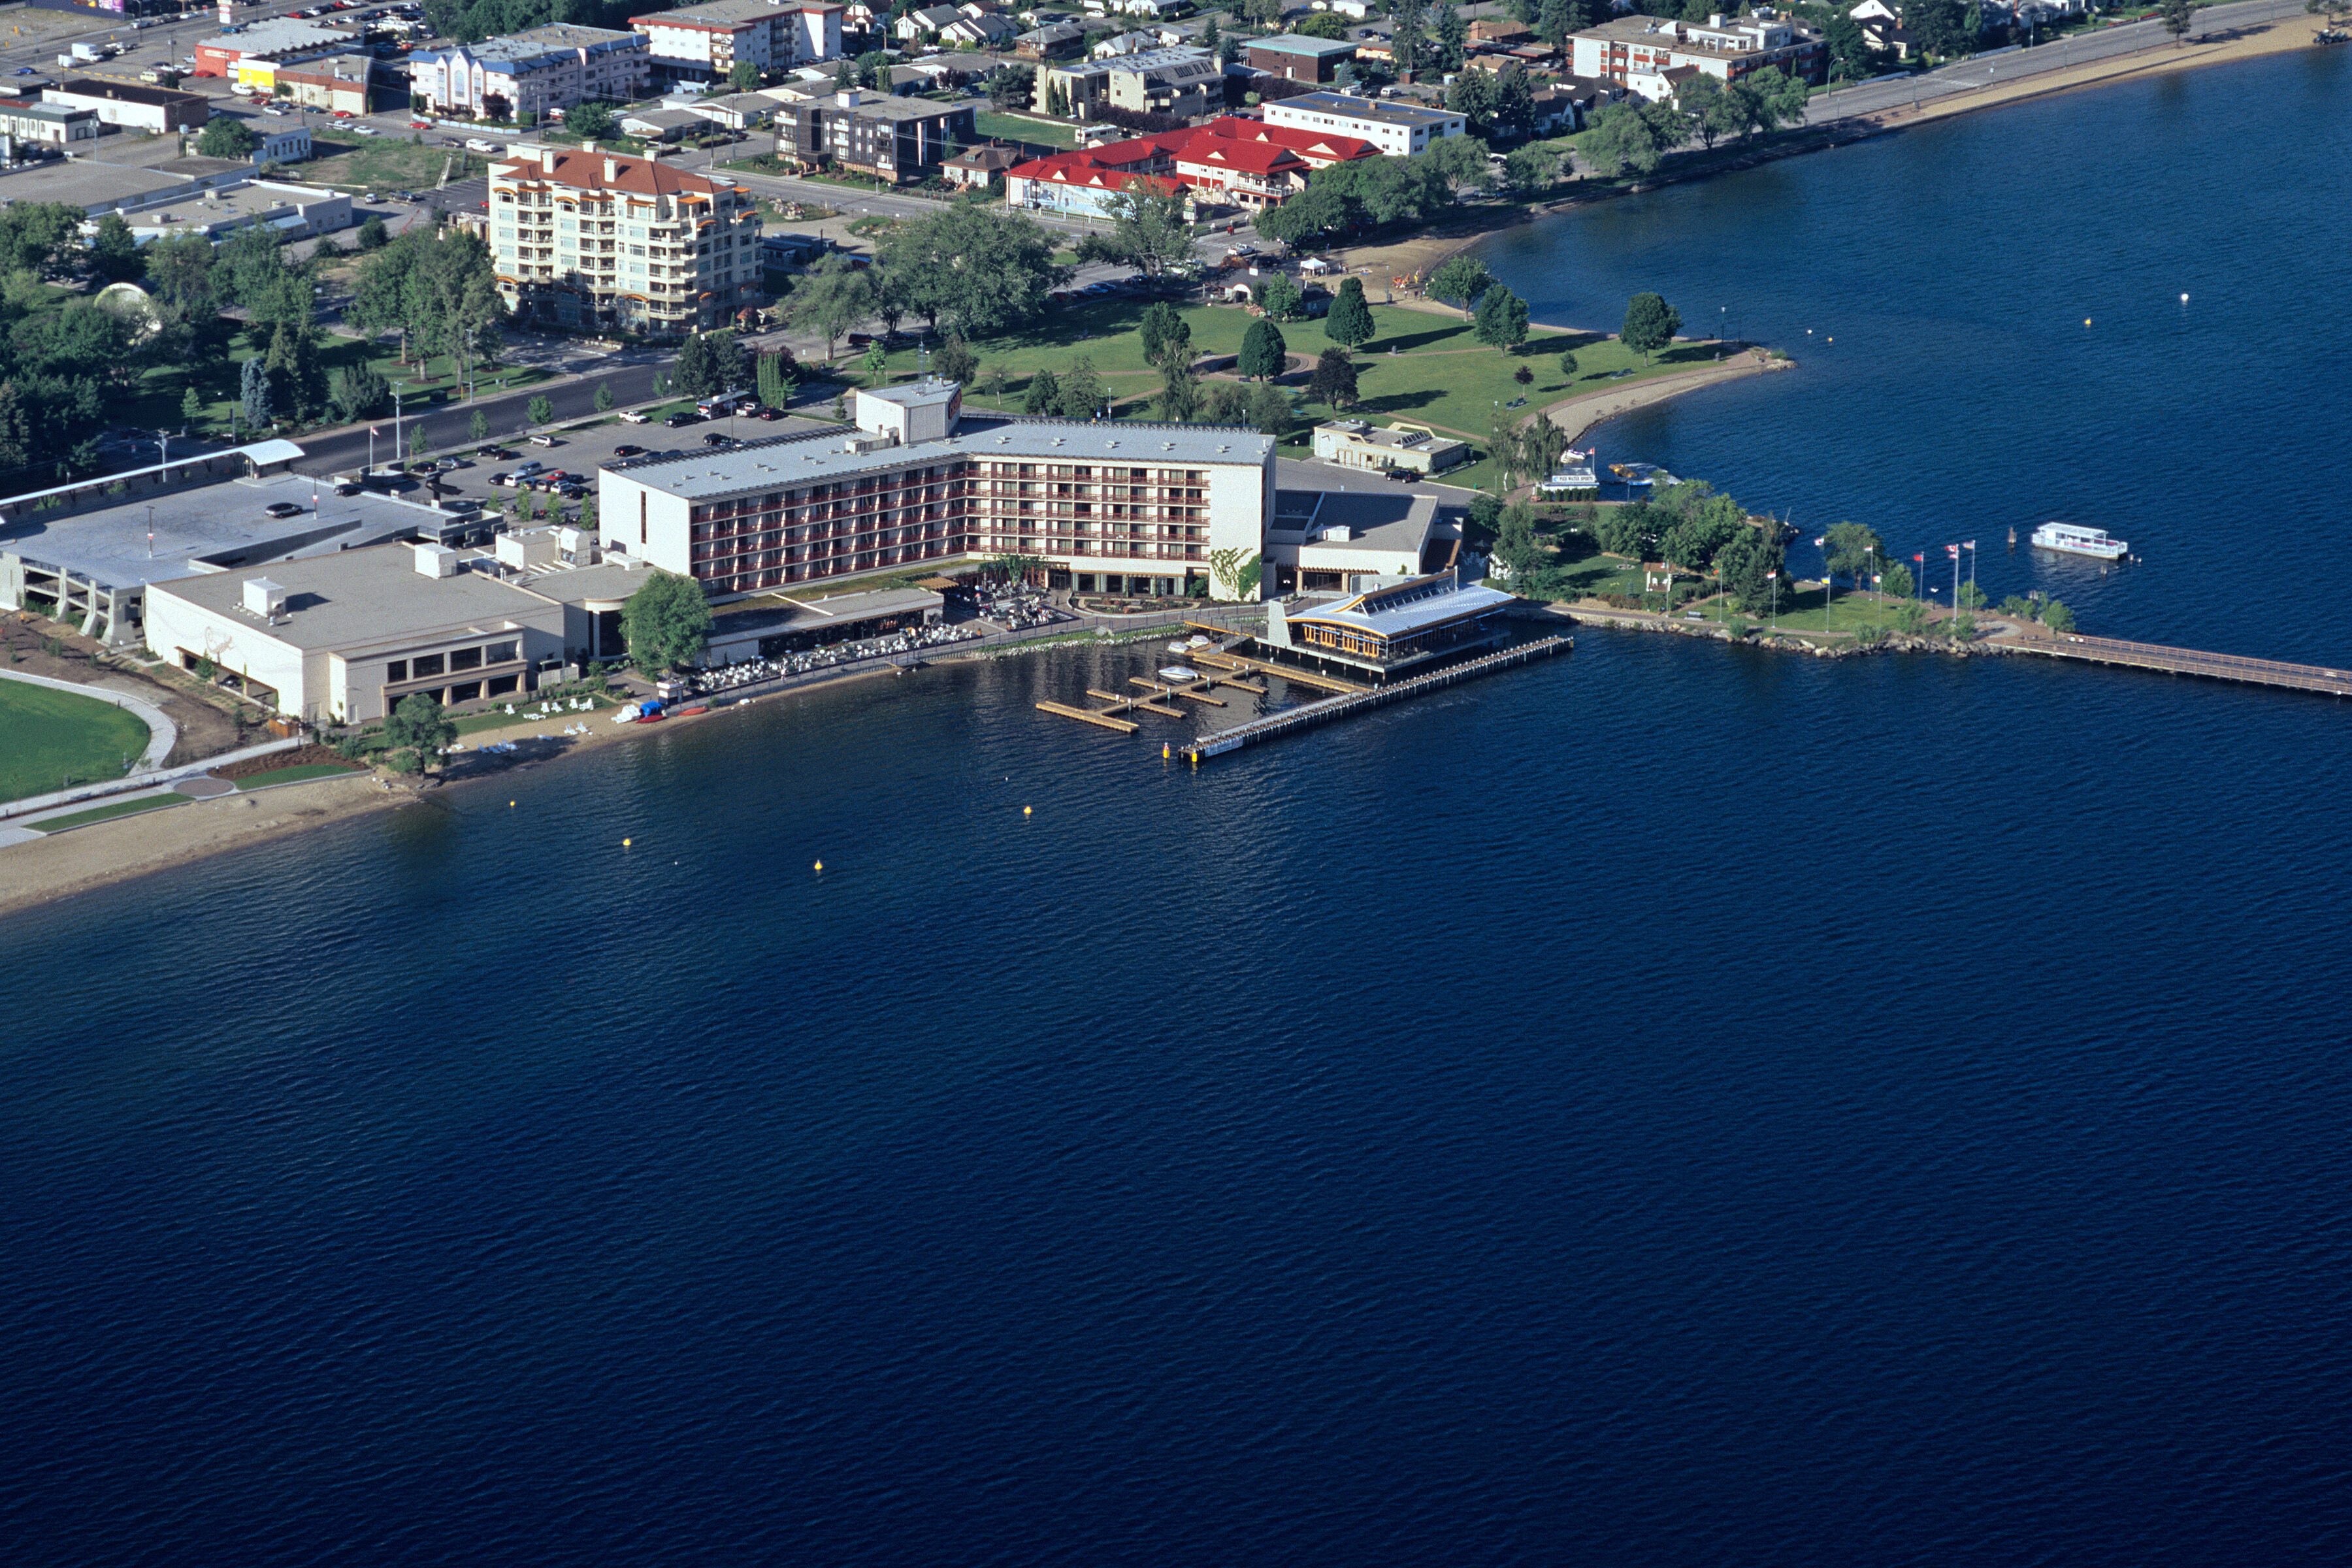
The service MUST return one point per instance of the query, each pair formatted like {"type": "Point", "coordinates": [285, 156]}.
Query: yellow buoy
{"type": "Point", "coordinates": [510, 805]}
{"type": "Point", "coordinates": [820, 865]}
{"type": "Point", "coordinates": [626, 843]}
{"type": "Point", "coordinates": [1024, 811]}
{"type": "Point", "coordinates": [1163, 749]}
{"type": "Point", "coordinates": [2087, 320]}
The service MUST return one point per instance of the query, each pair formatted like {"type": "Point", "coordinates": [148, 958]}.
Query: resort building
{"type": "Point", "coordinates": [895, 138]}
{"type": "Point", "coordinates": [1358, 444]}
{"type": "Point", "coordinates": [1399, 130]}
{"type": "Point", "coordinates": [1108, 506]}
{"type": "Point", "coordinates": [1639, 51]}
{"type": "Point", "coordinates": [343, 637]}
{"type": "Point", "coordinates": [704, 43]}
{"type": "Point", "coordinates": [590, 240]}
{"type": "Point", "coordinates": [771, 624]}
{"type": "Point", "coordinates": [532, 72]}
{"type": "Point", "coordinates": [1086, 180]}
{"type": "Point", "coordinates": [1392, 625]}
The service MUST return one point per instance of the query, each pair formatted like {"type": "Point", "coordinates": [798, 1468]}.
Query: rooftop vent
{"type": "Point", "coordinates": [265, 598]}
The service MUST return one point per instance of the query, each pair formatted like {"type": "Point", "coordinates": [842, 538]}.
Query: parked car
{"type": "Point", "coordinates": [451, 465]}
{"type": "Point", "coordinates": [542, 440]}
{"type": "Point", "coordinates": [681, 419]}
{"type": "Point", "coordinates": [347, 488]}
{"type": "Point", "coordinates": [420, 125]}
{"type": "Point", "coordinates": [282, 509]}
{"type": "Point", "coordinates": [496, 454]}
{"type": "Point", "coordinates": [366, 130]}
{"type": "Point", "coordinates": [628, 451]}
{"type": "Point", "coordinates": [770, 413]}
{"type": "Point", "coordinates": [527, 469]}
{"type": "Point", "coordinates": [344, 114]}
{"type": "Point", "coordinates": [501, 479]}
{"type": "Point", "coordinates": [635, 416]}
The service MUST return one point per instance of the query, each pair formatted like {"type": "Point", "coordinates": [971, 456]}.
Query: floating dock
{"type": "Point", "coordinates": [1360, 699]}
{"type": "Point", "coordinates": [2190, 661]}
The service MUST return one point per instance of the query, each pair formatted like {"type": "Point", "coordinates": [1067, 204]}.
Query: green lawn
{"type": "Point", "coordinates": [1438, 374]}
{"type": "Point", "coordinates": [298, 774]}
{"type": "Point", "coordinates": [109, 812]}
{"type": "Point", "coordinates": [49, 740]}
{"type": "Point", "coordinates": [1802, 610]}
{"type": "Point", "coordinates": [1034, 135]}
{"type": "Point", "coordinates": [496, 719]}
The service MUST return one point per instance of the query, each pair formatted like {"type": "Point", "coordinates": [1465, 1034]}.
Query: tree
{"type": "Point", "coordinates": [417, 443]}
{"type": "Point", "coordinates": [418, 727]}
{"type": "Point", "coordinates": [590, 121]}
{"type": "Point", "coordinates": [1180, 394]}
{"type": "Point", "coordinates": [1939, 27]}
{"type": "Point", "coordinates": [372, 235]}
{"type": "Point", "coordinates": [1279, 297]}
{"type": "Point", "coordinates": [1349, 323]}
{"type": "Point", "coordinates": [1458, 160]}
{"type": "Point", "coordinates": [1449, 34]}
{"type": "Point", "coordinates": [1567, 366]}
{"type": "Point", "coordinates": [1851, 548]}
{"type": "Point", "coordinates": [1333, 384]}
{"type": "Point", "coordinates": [1081, 395]}
{"type": "Point", "coordinates": [226, 136]}
{"type": "Point", "coordinates": [1472, 95]}
{"type": "Point", "coordinates": [874, 69]}
{"type": "Point", "coordinates": [539, 410]}
{"type": "Point", "coordinates": [253, 393]}
{"type": "Point", "coordinates": [1712, 109]}
{"type": "Point", "coordinates": [744, 76]}
{"type": "Point", "coordinates": [1528, 169]}
{"type": "Point", "coordinates": [1517, 549]}
{"type": "Point", "coordinates": [710, 364]}
{"type": "Point", "coordinates": [605, 398]}
{"type": "Point", "coordinates": [666, 622]}
{"type": "Point", "coordinates": [357, 391]}
{"type": "Point", "coordinates": [1165, 333]}
{"type": "Point", "coordinates": [1747, 564]}
{"type": "Point", "coordinates": [1269, 410]}
{"type": "Point", "coordinates": [832, 299]}
{"type": "Point", "coordinates": [2058, 617]}
{"type": "Point", "coordinates": [113, 252]}
{"type": "Point", "coordinates": [1043, 395]}
{"type": "Point", "coordinates": [1501, 319]}
{"type": "Point", "coordinates": [192, 409]}
{"type": "Point", "coordinates": [1896, 580]}
{"type": "Point", "coordinates": [876, 365]}
{"type": "Point", "coordinates": [179, 272]}
{"type": "Point", "coordinates": [954, 359]}
{"type": "Point", "coordinates": [1460, 281]}
{"type": "Point", "coordinates": [2177, 17]}
{"type": "Point", "coordinates": [1851, 56]}
{"type": "Point", "coordinates": [1264, 353]}
{"type": "Point", "coordinates": [1322, 25]}
{"type": "Point", "coordinates": [1626, 138]}
{"type": "Point", "coordinates": [1147, 231]}
{"type": "Point", "coordinates": [1513, 114]}
{"type": "Point", "coordinates": [1650, 325]}
{"type": "Point", "coordinates": [1013, 86]}
{"type": "Point", "coordinates": [974, 268]}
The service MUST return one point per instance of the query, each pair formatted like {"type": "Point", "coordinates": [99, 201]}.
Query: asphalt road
{"type": "Point", "coordinates": [2019, 65]}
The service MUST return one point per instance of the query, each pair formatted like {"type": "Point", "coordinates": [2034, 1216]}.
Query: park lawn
{"type": "Point", "coordinates": [1030, 132]}
{"type": "Point", "coordinates": [297, 774]}
{"type": "Point", "coordinates": [51, 740]}
{"type": "Point", "coordinates": [1802, 610]}
{"type": "Point", "coordinates": [108, 812]}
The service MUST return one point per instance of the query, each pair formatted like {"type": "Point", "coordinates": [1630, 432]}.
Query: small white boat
{"type": "Point", "coordinates": [1197, 639]}
{"type": "Point", "coordinates": [1178, 675]}
{"type": "Point", "coordinates": [2068, 540]}
{"type": "Point", "coordinates": [1180, 647]}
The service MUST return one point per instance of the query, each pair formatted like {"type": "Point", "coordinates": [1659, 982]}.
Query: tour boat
{"type": "Point", "coordinates": [2069, 540]}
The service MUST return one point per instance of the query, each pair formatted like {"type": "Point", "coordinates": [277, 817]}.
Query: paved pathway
{"type": "Point", "coordinates": [34, 807]}
{"type": "Point", "coordinates": [162, 733]}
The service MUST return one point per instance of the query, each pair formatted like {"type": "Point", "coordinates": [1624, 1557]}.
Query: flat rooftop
{"type": "Point", "coordinates": [1373, 109]}
{"type": "Point", "coordinates": [86, 183]}
{"type": "Point", "coordinates": [768, 612]}
{"type": "Point", "coordinates": [1295, 44]}
{"type": "Point", "coordinates": [358, 598]}
{"type": "Point", "coordinates": [804, 459]}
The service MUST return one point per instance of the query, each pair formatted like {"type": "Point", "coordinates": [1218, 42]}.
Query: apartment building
{"type": "Point", "coordinates": [703, 43]}
{"type": "Point", "coordinates": [1121, 508]}
{"type": "Point", "coordinates": [1638, 51]}
{"type": "Point", "coordinates": [1399, 130]}
{"type": "Point", "coordinates": [533, 71]}
{"type": "Point", "coordinates": [896, 139]}
{"type": "Point", "coordinates": [590, 240]}
{"type": "Point", "coordinates": [1181, 82]}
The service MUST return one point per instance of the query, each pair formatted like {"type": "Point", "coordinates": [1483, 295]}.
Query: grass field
{"type": "Point", "coordinates": [1031, 132]}
{"type": "Point", "coordinates": [1419, 366]}
{"type": "Point", "coordinates": [49, 740]}
{"type": "Point", "coordinates": [107, 813]}
{"type": "Point", "coordinates": [376, 163]}
{"type": "Point", "coordinates": [298, 774]}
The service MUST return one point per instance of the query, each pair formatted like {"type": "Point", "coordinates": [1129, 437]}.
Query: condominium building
{"type": "Point", "coordinates": [897, 138]}
{"type": "Point", "coordinates": [1400, 129]}
{"type": "Point", "coordinates": [531, 72]}
{"type": "Point", "coordinates": [1638, 51]}
{"type": "Point", "coordinates": [1118, 508]}
{"type": "Point", "coordinates": [590, 240]}
{"type": "Point", "coordinates": [704, 43]}
{"type": "Point", "coordinates": [1181, 82]}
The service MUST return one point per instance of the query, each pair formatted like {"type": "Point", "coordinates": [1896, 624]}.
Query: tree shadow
{"type": "Point", "coordinates": [1379, 347]}
{"type": "Point", "coordinates": [1398, 402]}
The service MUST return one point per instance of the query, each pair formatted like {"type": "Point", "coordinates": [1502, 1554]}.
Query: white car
{"type": "Point", "coordinates": [366, 130]}
{"type": "Point", "coordinates": [274, 109]}
{"type": "Point", "coordinates": [635, 416]}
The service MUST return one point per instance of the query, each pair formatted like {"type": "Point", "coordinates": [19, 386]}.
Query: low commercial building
{"type": "Point", "coordinates": [705, 43]}
{"type": "Point", "coordinates": [248, 57]}
{"type": "Point", "coordinates": [295, 212]}
{"type": "Point", "coordinates": [337, 82]}
{"type": "Point", "coordinates": [590, 240]}
{"type": "Point", "coordinates": [1342, 541]}
{"type": "Point", "coordinates": [1185, 83]}
{"type": "Point", "coordinates": [896, 139]}
{"type": "Point", "coordinates": [1399, 130]}
{"type": "Point", "coordinates": [1117, 508]}
{"type": "Point", "coordinates": [1639, 51]}
{"type": "Point", "coordinates": [1295, 58]}
{"type": "Point", "coordinates": [1358, 444]}
{"type": "Point", "coordinates": [343, 637]}
{"type": "Point", "coordinates": [533, 71]}
{"type": "Point", "coordinates": [281, 144]}
{"type": "Point", "coordinates": [1391, 628]}
{"type": "Point", "coordinates": [738, 110]}
{"type": "Point", "coordinates": [50, 124]}
{"type": "Point", "coordinates": [132, 107]}
{"type": "Point", "coordinates": [666, 124]}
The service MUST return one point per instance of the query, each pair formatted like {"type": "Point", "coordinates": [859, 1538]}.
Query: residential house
{"type": "Point", "coordinates": [1129, 43]}
{"type": "Point", "coordinates": [982, 31]}
{"type": "Point", "coordinates": [916, 26]}
{"type": "Point", "coordinates": [1356, 10]}
{"type": "Point", "coordinates": [896, 139]}
{"type": "Point", "coordinates": [978, 168]}
{"type": "Point", "coordinates": [1054, 41]}
{"type": "Point", "coordinates": [1502, 30]}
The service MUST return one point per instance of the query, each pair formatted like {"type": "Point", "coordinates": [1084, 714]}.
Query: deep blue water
{"type": "Point", "coordinates": [1669, 1106]}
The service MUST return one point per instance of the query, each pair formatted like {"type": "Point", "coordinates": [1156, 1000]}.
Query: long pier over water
{"type": "Point", "coordinates": [2191, 661]}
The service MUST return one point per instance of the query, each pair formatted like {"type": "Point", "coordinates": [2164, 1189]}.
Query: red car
{"type": "Point", "coordinates": [420, 125]}
{"type": "Point", "coordinates": [343, 114]}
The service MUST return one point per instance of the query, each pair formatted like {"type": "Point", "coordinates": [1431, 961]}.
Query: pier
{"type": "Point", "coordinates": [2190, 661]}
{"type": "Point", "coordinates": [1360, 699]}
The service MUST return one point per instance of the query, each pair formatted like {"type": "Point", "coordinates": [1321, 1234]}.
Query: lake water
{"type": "Point", "coordinates": [1672, 1105]}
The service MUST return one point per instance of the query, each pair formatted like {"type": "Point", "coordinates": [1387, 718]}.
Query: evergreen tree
{"type": "Point", "coordinates": [1082, 392]}
{"type": "Point", "coordinates": [114, 253]}
{"type": "Point", "coordinates": [253, 394]}
{"type": "Point", "coordinates": [1349, 323]}
{"type": "Point", "coordinates": [1264, 353]}
{"type": "Point", "coordinates": [192, 409]}
{"type": "Point", "coordinates": [1501, 319]}
{"type": "Point", "coordinates": [1333, 383]}
{"type": "Point", "coordinates": [1269, 409]}
{"type": "Point", "coordinates": [1180, 394]}
{"type": "Point", "coordinates": [1043, 395]}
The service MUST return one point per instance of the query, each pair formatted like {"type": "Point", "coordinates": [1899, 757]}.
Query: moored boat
{"type": "Point", "coordinates": [2070, 540]}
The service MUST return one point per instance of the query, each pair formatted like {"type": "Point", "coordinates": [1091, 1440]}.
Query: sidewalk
{"type": "Point", "coordinates": [33, 807]}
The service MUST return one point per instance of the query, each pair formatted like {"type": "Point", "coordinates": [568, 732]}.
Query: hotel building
{"type": "Point", "coordinates": [590, 240]}
{"type": "Point", "coordinates": [1119, 508]}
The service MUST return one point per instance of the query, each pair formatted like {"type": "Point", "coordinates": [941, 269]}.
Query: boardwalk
{"type": "Point", "coordinates": [1292, 719]}
{"type": "Point", "coordinates": [2191, 661]}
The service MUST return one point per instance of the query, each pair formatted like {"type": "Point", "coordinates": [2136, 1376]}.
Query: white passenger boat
{"type": "Point", "coordinates": [2069, 540]}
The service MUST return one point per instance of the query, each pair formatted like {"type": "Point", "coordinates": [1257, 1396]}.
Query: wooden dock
{"type": "Point", "coordinates": [1154, 698]}
{"type": "Point", "coordinates": [2190, 661]}
{"type": "Point", "coordinates": [1316, 679]}
{"type": "Point", "coordinates": [1359, 699]}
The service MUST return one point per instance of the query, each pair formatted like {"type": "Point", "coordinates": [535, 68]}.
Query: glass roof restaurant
{"type": "Point", "coordinates": [1395, 626]}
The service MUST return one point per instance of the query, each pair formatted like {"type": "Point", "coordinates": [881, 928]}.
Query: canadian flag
{"type": "Point", "coordinates": [1922, 559]}
{"type": "Point", "coordinates": [1953, 551]}
{"type": "Point", "coordinates": [374, 431]}
{"type": "Point", "coordinates": [1771, 576]}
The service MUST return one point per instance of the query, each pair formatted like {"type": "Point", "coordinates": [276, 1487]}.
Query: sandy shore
{"type": "Point", "coordinates": [1579, 414]}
